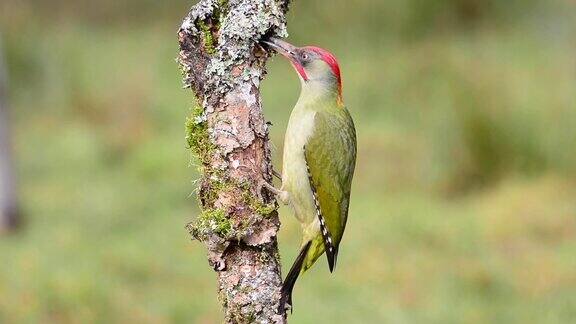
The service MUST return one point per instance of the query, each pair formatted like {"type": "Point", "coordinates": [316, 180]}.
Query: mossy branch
{"type": "Point", "coordinates": [223, 65]}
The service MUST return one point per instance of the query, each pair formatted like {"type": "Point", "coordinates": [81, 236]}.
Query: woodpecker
{"type": "Point", "coordinates": [318, 161]}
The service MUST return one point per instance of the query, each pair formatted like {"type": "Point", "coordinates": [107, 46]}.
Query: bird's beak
{"type": "Point", "coordinates": [289, 51]}
{"type": "Point", "coordinates": [286, 49]}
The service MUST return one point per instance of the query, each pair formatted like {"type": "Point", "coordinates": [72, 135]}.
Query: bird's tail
{"type": "Point", "coordinates": [288, 285]}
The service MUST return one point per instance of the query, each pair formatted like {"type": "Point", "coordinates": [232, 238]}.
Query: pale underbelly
{"type": "Point", "coordinates": [295, 176]}
{"type": "Point", "coordinates": [295, 181]}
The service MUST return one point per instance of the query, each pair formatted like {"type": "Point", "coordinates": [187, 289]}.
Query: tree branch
{"type": "Point", "coordinates": [223, 65]}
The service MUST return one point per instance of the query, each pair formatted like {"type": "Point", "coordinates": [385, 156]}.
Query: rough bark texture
{"type": "Point", "coordinates": [223, 64]}
{"type": "Point", "coordinates": [8, 198]}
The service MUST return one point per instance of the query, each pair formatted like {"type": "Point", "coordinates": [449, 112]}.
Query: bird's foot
{"type": "Point", "coordinates": [283, 196]}
{"type": "Point", "coordinates": [276, 174]}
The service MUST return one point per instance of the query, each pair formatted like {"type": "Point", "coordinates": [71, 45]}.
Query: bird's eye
{"type": "Point", "coordinates": [304, 56]}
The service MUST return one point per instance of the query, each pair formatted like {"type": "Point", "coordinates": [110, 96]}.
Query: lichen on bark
{"type": "Point", "coordinates": [223, 65]}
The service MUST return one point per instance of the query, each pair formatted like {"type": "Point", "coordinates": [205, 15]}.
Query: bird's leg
{"type": "Point", "coordinates": [283, 196]}
{"type": "Point", "coordinates": [271, 188]}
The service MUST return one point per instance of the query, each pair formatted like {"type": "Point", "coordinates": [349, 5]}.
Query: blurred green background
{"type": "Point", "coordinates": [464, 200]}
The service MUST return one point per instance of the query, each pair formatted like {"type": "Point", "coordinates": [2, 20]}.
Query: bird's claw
{"type": "Point", "coordinates": [283, 196]}
{"type": "Point", "coordinates": [259, 189]}
{"type": "Point", "coordinates": [276, 174]}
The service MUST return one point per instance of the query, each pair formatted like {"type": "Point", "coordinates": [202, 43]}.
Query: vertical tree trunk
{"type": "Point", "coordinates": [223, 65]}
{"type": "Point", "coordinates": [8, 197]}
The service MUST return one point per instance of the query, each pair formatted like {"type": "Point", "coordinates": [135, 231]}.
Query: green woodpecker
{"type": "Point", "coordinates": [319, 159]}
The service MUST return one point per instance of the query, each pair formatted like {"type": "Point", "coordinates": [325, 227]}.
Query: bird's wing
{"type": "Point", "coordinates": [330, 156]}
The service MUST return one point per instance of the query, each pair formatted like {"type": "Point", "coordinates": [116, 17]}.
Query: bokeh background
{"type": "Point", "coordinates": [464, 200]}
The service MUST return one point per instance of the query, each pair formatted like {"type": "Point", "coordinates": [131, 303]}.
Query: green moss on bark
{"type": "Point", "coordinates": [207, 36]}
{"type": "Point", "coordinates": [211, 221]}
{"type": "Point", "coordinates": [257, 205]}
{"type": "Point", "coordinates": [197, 136]}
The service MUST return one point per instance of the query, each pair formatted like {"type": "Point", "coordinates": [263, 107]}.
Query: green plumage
{"type": "Point", "coordinates": [319, 159]}
{"type": "Point", "coordinates": [331, 154]}
{"type": "Point", "coordinates": [320, 138]}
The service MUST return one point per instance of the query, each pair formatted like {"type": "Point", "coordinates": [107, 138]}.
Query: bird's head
{"type": "Point", "coordinates": [313, 64]}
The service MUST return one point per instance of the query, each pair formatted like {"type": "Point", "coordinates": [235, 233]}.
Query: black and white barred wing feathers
{"type": "Point", "coordinates": [330, 155]}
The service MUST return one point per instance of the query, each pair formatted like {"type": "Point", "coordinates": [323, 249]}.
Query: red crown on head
{"type": "Point", "coordinates": [330, 59]}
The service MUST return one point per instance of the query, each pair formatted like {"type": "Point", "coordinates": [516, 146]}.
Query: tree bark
{"type": "Point", "coordinates": [8, 197]}
{"type": "Point", "coordinates": [223, 64]}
